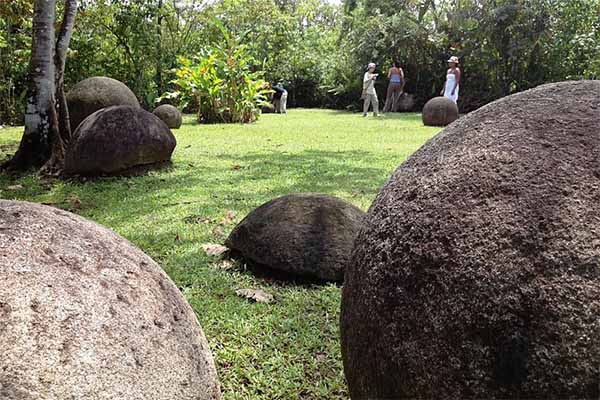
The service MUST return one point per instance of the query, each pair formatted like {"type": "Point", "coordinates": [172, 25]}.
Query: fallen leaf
{"type": "Point", "coordinates": [15, 187]}
{"type": "Point", "coordinates": [225, 265]}
{"type": "Point", "coordinates": [177, 238]}
{"type": "Point", "coordinates": [228, 218]}
{"type": "Point", "coordinates": [236, 167]}
{"type": "Point", "coordinates": [218, 232]}
{"type": "Point", "coordinates": [257, 295]}
{"type": "Point", "coordinates": [213, 249]}
{"type": "Point", "coordinates": [77, 204]}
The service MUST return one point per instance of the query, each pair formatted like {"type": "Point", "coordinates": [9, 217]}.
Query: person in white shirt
{"type": "Point", "coordinates": [369, 94]}
{"type": "Point", "coordinates": [453, 75]}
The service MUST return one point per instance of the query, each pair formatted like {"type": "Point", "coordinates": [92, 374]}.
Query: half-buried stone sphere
{"type": "Point", "coordinates": [118, 139]}
{"type": "Point", "coordinates": [477, 273]}
{"type": "Point", "coordinates": [303, 235]}
{"type": "Point", "coordinates": [93, 94]}
{"type": "Point", "coordinates": [84, 314]}
{"type": "Point", "coordinates": [169, 115]}
{"type": "Point", "coordinates": [439, 111]}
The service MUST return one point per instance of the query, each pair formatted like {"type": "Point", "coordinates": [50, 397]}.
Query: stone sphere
{"type": "Point", "coordinates": [116, 140]}
{"type": "Point", "coordinates": [406, 102]}
{"type": "Point", "coordinates": [170, 115]}
{"type": "Point", "coordinates": [476, 274]}
{"type": "Point", "coordinates": [305, 235]}
{"type": "Point", "coordinates": [440, 111]}
{"type": "Point", "coordinates": [268, 109]}
{"type": "Point", "coordinates": [93, 94]}
{"type": "Point", "coordinates": [84, 314]}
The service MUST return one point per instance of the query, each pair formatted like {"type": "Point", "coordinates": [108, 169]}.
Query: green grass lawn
{"type": "Point", "coordinates": [285, 350]}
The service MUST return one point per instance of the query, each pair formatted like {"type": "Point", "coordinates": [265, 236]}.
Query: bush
{"type": "Point", "coordinates": [221, 81]}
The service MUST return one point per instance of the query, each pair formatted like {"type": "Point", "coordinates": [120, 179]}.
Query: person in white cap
{"type": "Point", "coordinates": [453, 76]}
{"type": "Point", "coordinates": [369, 94]}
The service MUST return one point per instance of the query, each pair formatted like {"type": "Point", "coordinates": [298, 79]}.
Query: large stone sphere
{"type": "Point", "coordinates": [93, 94]}
{"type": "Point", "coordinates": [304, 235]}
{"type": "Point", "coordinates": [118, 139]}
{"type": "Point", "coordinates": [440, 111]}
{"type": "Point", "coordinates": [84, 314]}
{"type": "Point", "coordinates": [169, 115]}
{"type": "Point", "coordinates": [477, 273]}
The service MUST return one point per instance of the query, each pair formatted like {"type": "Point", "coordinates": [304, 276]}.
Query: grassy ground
{"type": "Point", "coordinates": [285, 350]}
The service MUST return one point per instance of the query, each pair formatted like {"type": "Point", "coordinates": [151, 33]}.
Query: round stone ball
{"type": "Point", "coordinates": [95, 93]}
{"type": "Point", "coordinates": [439, 111]}
{"type": "Point", "coordinates": [170, 115]}
{"type": "Point", "coordinates": [477, 273]}
{"type": "Point", "coordinates": [305, 235]}
{"type": "Point", "coordinates": [84, 314]}
{"type": "Point", "coordinates": [118, 139]}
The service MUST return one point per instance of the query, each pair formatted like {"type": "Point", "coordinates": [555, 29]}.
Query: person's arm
{"type": "Point", "coordinates": [389, 73]}
{"type": "Point", "coordinates": [458, 74]}
{"type": "Point", "coordinates": [403, 79]}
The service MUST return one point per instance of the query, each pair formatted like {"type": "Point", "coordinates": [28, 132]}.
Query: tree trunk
{"type": "Point", "coordinates": [61, 138]}
{"type": "Point", "coordinates": [158, 77]}
{"type": "Point", "coordinates": [40, 117]}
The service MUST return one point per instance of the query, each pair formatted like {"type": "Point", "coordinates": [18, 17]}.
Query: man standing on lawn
{"type": "Point", "coordinates": [280, 99]}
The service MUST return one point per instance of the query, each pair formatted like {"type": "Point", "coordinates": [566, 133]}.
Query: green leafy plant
{"type": "Point", "coordinates": [221, 81]}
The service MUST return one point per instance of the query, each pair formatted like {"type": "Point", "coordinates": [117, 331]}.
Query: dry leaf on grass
{"type": "Point", "coordinates": [225, 265]}
{"type": "Point", "coordinates": [257, 295]}
{"type": "Point", "coordinates": [218, 232]}
{"type": "Point", "coordinates": [15, 187]}
{"type": "Point", "coordinates": [228, 218]}
{"type": "Point", "coordinates": [213, 249]}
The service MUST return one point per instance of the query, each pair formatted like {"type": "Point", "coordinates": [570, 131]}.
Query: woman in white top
{"type": "Point", "coordinates": [452, 85]}
{"type": "Point", "coordinates": [369, 94]}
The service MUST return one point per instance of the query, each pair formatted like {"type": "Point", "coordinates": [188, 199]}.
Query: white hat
{"type": "Point", "coordinates": [371, 65]}
{"type": "Point", "coordinates": [453, 59]}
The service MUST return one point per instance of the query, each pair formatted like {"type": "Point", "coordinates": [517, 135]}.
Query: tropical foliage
{"type": "Point", "coordinates": [220, 82]}
{"type": "Point", "coordinates": [318, 48]}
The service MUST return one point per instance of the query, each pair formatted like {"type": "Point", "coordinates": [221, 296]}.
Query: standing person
{"type": "Point", "coordinates": [453, 76]}
{"type": "Point", "coordinates": [280, 99]}
{"type": "Point", "coordinates": [395, 87]}
{"type": "Point", "coordinates": [369, 93]}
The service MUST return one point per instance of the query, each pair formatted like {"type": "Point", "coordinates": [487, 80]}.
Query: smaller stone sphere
{"type": "Point", "coordinates": [268, 109]}
{"type": "Point", "coordinates": [440, 111]}
{"type": "Point", "coordinates": [170, 115]}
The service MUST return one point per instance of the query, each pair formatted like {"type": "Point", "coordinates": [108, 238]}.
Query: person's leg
{"type": "Point", "coordinates": [277, 104]}
{"type": "Point", "coordinates": [388, 98]}
{"type": "Point", "coordinates": [366, 104]}
{"type": "Point", "coordinates": [284, 103]}
{"type": "Point", "coordinates": [375, 102]}
{"type": "Point", "coordinates": [396, 92]}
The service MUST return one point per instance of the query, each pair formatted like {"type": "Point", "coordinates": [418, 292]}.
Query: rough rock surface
{"type": "Point", "coordinates": [406, 102]}
{"type": "Point", "coordinates": [170, 115]}
{"type": "Point", "coordinates": [84, 314]}
{"type": "Point", "coordinates": [93, 94]}
{"type": "Point", "coordinates": [477, 273]}
{"type": "Point", "coordinates": [439, 111]}
{"type": "Point", "coordinates": [117, 139]}
{"type": "Point", "coordinates": [306, 235]}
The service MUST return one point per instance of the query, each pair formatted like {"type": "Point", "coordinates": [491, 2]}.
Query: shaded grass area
{"type": "Point", "coordinates": [285, 350]}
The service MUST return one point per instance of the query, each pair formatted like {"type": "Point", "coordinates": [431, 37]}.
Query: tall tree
{"type": "Point", "coordinates": [43, 140]}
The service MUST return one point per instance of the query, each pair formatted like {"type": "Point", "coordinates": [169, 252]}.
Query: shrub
{"type": "Point", "coordinates": [221, 81]}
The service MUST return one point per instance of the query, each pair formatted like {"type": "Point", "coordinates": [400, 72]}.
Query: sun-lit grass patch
{"type": "Point", "coordinates": [288, 349]}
